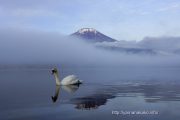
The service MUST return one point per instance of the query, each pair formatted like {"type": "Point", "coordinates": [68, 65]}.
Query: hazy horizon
{"type": "Point", "coordinates": [119, 19]}
{"type": "Point", "coordinates": [36, 32]}
{"type": "Point", "coordinates": [38, 47]}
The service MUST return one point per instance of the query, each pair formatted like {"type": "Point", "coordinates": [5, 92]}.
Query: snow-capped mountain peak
{"type": "Point", "coordinates": [85, 30]}
{"type": "Point", "coordinates": [92, 35]}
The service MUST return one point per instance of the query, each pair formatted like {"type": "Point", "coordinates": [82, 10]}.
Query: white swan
{"type": "Point", "coordinates": [68, 80]}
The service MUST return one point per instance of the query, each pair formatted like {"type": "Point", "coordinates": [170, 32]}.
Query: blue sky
{"type": "Point", "coordinates": [119, 19]}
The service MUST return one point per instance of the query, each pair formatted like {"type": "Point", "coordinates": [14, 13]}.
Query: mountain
{"type": "Point", "coordinates": [149, 45]}
{"type": "Point", "coordinates": [92, 35]}
{"type": "Point", "coordinates": [107, 43]}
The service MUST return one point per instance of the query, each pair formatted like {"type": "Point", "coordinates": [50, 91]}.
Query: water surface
{"type": "Point", "coordinates": [32, 94]}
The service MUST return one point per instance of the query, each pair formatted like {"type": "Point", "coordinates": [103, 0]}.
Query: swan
{"type": "Point", "coordinates": [68, 80]}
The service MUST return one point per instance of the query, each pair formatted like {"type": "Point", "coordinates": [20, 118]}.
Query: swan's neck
{"type": "Point", "coordinates": [57, 79]}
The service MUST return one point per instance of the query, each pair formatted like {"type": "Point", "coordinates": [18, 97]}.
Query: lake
{"type": "Point", "coordinates": [127, 93]}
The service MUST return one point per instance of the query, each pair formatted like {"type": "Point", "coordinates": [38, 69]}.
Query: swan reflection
{"type": "Point", "coordinates": [55, 97]}
{"type": "Point", "coordinates": [70, 88]}
{"type": "Point", "coordinates": [67, 88]}
{"type": "Point", "coordinates": [100, 95]}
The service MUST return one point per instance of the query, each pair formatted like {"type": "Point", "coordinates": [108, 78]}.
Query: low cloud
{"type": "Point", "coordinates": [18, 46]}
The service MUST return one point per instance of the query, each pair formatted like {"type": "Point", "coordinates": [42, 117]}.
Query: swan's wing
{"type": "Point", "coordinates": [69, 80]}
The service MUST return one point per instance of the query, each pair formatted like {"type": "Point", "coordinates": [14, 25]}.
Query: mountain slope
{"type": "Point", "coordinates": [149, 45]}
{"type": "Point", "coordinates": [92, 35]}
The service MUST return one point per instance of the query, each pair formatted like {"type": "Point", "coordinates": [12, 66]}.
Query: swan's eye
{"type": "Point", "coordinates": [53, 71]}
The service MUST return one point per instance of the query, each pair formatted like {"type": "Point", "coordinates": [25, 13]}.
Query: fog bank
{"type": "Point", "coordinates": [18, 46]}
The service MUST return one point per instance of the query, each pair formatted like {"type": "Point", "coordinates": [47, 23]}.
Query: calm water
{"type": "Point", "coordinates": [27, 94]}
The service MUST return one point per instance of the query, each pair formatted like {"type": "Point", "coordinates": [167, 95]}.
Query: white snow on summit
{"type": "Point", "coordinates": [85, 30]}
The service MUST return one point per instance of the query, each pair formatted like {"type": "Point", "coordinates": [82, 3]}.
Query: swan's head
{"type": "Point", "coordinates": [54, 71]}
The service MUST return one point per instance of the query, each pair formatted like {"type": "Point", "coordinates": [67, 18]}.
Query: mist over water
{"type": "Point", "coordinates": [137, 74]}
{"type": "Point", "coordinates": [19, 46]}
{"type": "Point", "coordinates": [32, 94]}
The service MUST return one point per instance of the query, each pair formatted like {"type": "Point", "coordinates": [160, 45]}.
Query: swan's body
{"type": "Point", "coordinates": [69, 80]}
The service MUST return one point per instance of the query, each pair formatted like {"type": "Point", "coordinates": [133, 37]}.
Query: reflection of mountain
{"type": "Point", "coordinates": [151, 93]}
